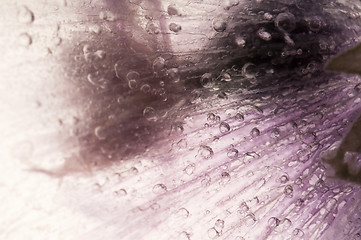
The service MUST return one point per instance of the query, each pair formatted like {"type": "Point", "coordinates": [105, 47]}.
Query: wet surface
{"type": "Point", "coordinates": [179, 120]}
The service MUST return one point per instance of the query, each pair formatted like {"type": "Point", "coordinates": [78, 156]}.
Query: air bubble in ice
{"type": "Point", "coordinates": [297, 232]}
{"type": "Point", "coordinates": [25, 15]}
{"type": "Point", "coordinates": [212, 233]}
{"type": "Point", "coordinates": [205, 79]}
{"type": "Point", "coordinates": [250, 220]}
{"type": "Point", "coordinates": [175, 27]}
{"type": "Point", "coordinates": [224, 127]}
{"type": "Point", "coordinates": [285, 22]}
{"type": "Point", "coordinates": [314, 23]}
{"type": "Point", "coordinates": [288, 190]}
{"type": "Point", "coordinates": [219, 225]}
{"type": "Point", "coordinates": [99, 132]}
{"type": "Point", "coordinates": [219, 25]}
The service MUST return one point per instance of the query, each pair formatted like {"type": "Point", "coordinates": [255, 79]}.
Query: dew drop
{"type": "Point", "coordinates": [219, 25]}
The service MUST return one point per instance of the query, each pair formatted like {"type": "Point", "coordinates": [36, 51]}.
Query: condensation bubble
{"type": "Point", "coordinates": [151, 28]}
{"type": "Point", "coordinates": [284, 178]}
{"type": "Point", "coordinates": [159, 188]}
{"type": "Point", "coordinates": [25, 39]}
{"type": "Point", "coordinates": [175, 27]}
{"type": "Point", "coordinates": [132, 84]}
{"type": "Point", "coordinates": [239, 117]}
{"type": "Point", "coordinates": [150, 114]}
{"type": "Point", "coordinates": [219, 25]}
{"type": "Point", "coordinates": [224, 127]}
{"type": "Point", "coordinates": [264, 35]}
{"type": "Point", "coordinates": [205, 152]}
{"type": "Point", "coordinates": [121, 192]}
{"type": "Point", "coordinates": [285, 22]}
{"type": "Point", "coordinates": [25, 15]}
{"type": "Point", "coordinates": [226, 77]}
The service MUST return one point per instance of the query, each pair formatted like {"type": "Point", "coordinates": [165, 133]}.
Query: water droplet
{"type": "Point", "coordinates": [240, 41]}
{"type": "Point", "coordinates": [239, 117]}
{"type": "Point", "coordinates": [159, 188]}
{"type": "Point", "coordinates": [284, 179]}
{"type": "Point", "coordinates": [225, 178]}
{"type": "Point", "coordinates": [121, 192]}
{"type": "Point", "coordinates": [145, 88]}
{"type": "Point", "coordinates": [219, 225]}
{"type": "Point", "coordinates": [174, 74]}
{"type": "Point", "coordinates": [175, 27]}
{"type": "Point", "coordinates": [189, 169]}
{"type": "Point", "coordinates": [249, 70]}
{"type": "Point", "coordinates": [172, 10]}
{"type": "Point", "coordinates": [314, 23]}
{"type": "Point", "coordinates": [255, 132]}
{"type": "Point", "coordinates": [212, 233]}
{"type": "Point", "coordinates": [158, 64]}
{"type": "Point", "coordinates": [250, 220]}
{"type": "Point", "coordinates": [183, 212]}
{"type": "Point", "coordinates": [264, 35]}
{"type": "Point", "coordinates": [25, 39]}
{"type": "Point", "coordinates": [205, 152]}
{"type": "Point", "coordinates": [288, 191]}
{"type": "Point", "coordinates": [226, 77]}
{"type": "Point", "coordinates": [273, 222]}
{"type": "Point", "coordinates": [224, 127]}
{"type": "Point", "coordinates": [107, 16]}
{"type": "Point", "coordinates": [219, 25]}
{"type": "Point", "coordinates": [151, 28]}
{"type": "Point", "coordinates": [275, 133]}
{"type": "Point", "coordinates": [205, 79]}
{"type": "Point", "coordinates": [285, 22]}
{"type": "Point", "coordinates": [232, 153]}
{"type": "Point", "coordinates": [100, 133]}
{"type": "Point", "coordinates": [150, 114]}
{"type": "Point", "coordinates": [243, 208]}
{"type": "Point", "coordinates": [297, 232]}
{"type": "Point", "coordinates": [25, 15]}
